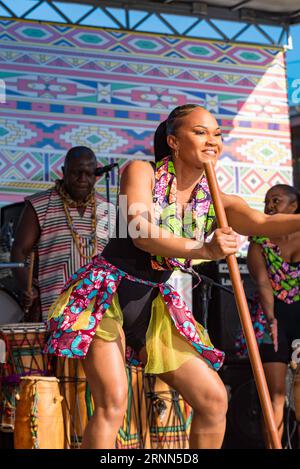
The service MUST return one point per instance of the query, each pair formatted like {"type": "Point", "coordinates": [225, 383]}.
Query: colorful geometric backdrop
{"type": "Point", "coordinates": [108, 89]}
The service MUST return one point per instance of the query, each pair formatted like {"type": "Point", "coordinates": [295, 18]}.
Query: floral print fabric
{"type": "Point", "coordinates": [259, 324]}
{"type": "Point", "coordinates": [284, 276]}
{"type": "Point", "coordinates": [199, 213]}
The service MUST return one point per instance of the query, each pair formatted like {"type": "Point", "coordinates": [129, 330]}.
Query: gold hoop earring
{"type": "Point", "coordinates": [176, 153]}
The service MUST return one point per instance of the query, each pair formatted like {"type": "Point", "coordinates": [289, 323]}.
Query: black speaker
{"type": "Point", "coordinates": [12, 213]}
{"type": "Point", "coordinates": [222, 319]}
{"type": "Point", "coordinates": [10, 216]}
{"type": "Point", "coordinates": [243, 426]}
{"type": "Point", "coordinates": [244, 416]}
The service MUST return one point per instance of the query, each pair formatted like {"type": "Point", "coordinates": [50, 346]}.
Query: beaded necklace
{"type": "Point", "coordinates": [70, 203]}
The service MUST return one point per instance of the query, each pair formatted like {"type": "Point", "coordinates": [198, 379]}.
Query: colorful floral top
{"type": "Point", "coordinates": [284, 276]}
{"type": "Point", "coordinates": [199, 213]}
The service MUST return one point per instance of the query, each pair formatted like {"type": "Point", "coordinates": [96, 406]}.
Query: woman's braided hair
{"type": "Point", "coordinates": [169, 127]}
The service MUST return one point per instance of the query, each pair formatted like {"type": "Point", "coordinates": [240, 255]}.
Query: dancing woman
{"type": "Point", "coordinates": [123, 295]}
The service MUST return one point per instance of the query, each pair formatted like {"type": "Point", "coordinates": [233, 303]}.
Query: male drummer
{"type": "Point", "coordinates": [60, 223]}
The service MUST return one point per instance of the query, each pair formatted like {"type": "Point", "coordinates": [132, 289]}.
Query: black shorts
{"type": "Point", "coordinates": [135, 300]}
{"type": "Point", "coordinates": [288, 319]}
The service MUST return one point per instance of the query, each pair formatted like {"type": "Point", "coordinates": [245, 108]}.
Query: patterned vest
{"type": "Point", "coordinates": [58, 255]}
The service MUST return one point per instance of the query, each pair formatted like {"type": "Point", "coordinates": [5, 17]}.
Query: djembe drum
{"type": "Point", "coordinates": [156, 416]}
{"type": "Point", "coordinates": [77, 401]}
{"type": "Point", "coordinates": [135, 431]}
{"type": "Point", "coordinates": [22, 355]}
{"type": "Point", "coordinates": [39, 418]}
{"type": "Point", "coordinates": [168, 415]}
{"type": "Point", "coordinates": [78, 406]}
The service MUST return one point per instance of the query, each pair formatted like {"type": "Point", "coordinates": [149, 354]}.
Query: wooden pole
{"type": "Point", "coordinates": [244, 315]}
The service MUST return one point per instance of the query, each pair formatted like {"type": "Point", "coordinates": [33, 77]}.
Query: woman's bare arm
{"type": "Point", "coordinates": [251, 222]}
{"type": "Point", "coordinates": [258, 271]}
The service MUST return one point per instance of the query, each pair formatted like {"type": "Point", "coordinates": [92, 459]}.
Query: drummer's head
{"type": "Point", "coordinates": [190, 133]}
{"type": "Point", "coordinates": [282, 198]}
{"type": "Point", "coordinates": [79, 172]}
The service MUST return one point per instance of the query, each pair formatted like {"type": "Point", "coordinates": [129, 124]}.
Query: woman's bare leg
{"type": "Point", "coordinates": [104, 367]}
{"type": "Point", "coordinates": [202, 388]}
{"type": "Point", "coordinates": [275, 375]}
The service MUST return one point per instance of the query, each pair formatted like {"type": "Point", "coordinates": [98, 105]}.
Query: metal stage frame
{"type": "Point", "coordinates": [249, 13]}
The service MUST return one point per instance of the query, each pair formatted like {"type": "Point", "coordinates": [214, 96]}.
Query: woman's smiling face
{"type": "Point", "coordinates": [197, 138]}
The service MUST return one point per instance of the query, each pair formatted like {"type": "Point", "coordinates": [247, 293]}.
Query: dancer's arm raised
{"type": "Point", "coordinates": [251, 222]}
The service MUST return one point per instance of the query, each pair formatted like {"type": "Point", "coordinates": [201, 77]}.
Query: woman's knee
{"type": "Point", "coordinates": [112, 405]}
{"type": "Point", "coordinates": [213, 406]}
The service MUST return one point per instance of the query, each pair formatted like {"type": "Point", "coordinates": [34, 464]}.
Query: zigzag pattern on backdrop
{"type": "Point", "coordinates": [79, 99]}
{"type": "Point", "coordinates": [106, 139]}
{"type": "Point", "coordinates": [109, 90]}
{"type": "Point", "coordinates": [112, 42]}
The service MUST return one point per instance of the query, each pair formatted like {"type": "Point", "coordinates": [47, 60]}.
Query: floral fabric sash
{"type": "Point", "coordinates": [93, 287]}
{"type": "Point", "coordinates": [199, 213]}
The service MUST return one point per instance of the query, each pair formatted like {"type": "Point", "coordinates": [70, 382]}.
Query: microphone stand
{"type": "Point", "coordinates": [107, 177]}
{"type": "Point", "coordinates": [12, 265]}
{"type": "Point", "coordinates": [99, 172]}
{"type": "Point", "coordinates": [206, 289]}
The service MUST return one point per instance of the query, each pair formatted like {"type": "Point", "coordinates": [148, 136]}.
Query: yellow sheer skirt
{"type": "Point", "coordinates": [166, 349]}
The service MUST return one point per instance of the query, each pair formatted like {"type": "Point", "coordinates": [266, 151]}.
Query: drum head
{"type": "Point", "coordinates": [10, 310]}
